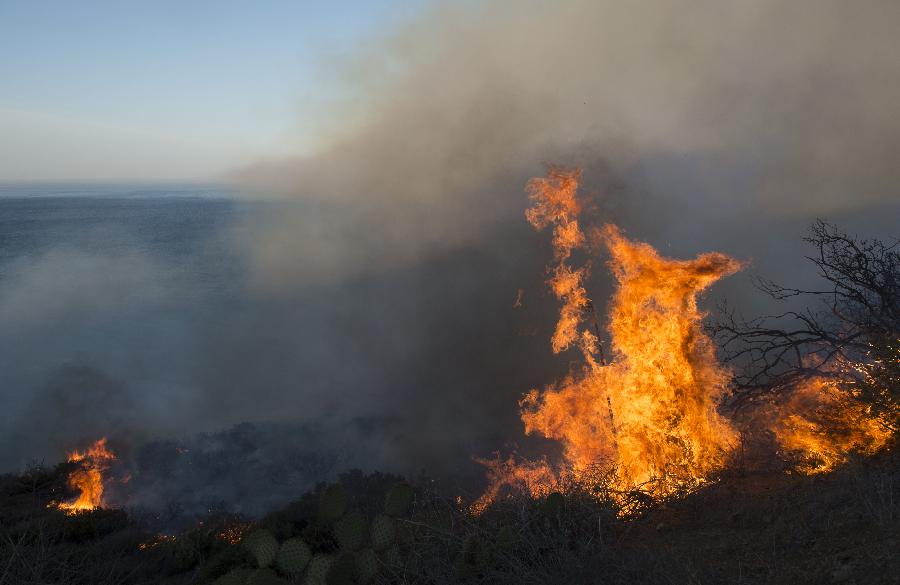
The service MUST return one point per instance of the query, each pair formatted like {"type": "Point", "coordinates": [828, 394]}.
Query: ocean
{"type": "Point", "coordinates": [104, 291]}
{"type": "Point", "coordinates": [136, 312]}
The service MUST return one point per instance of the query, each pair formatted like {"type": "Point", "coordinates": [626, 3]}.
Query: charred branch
{"type": "Point", "coordinates": [854, 318]}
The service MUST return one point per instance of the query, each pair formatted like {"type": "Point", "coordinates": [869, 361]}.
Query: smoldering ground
{"type": "Point", "coordinates": [381, 287]}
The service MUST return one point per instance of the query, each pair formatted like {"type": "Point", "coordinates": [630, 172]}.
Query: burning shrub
{"type": "Point", "coordinates": [650, 417]}
{"type": "Point", "coordinates": [827, 377]}
{"type": "Point", "coordinates": [87, 476]}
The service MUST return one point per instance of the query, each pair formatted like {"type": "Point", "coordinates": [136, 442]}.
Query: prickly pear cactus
{"type": "Point", "coordinates": [398, 499]}
{"type": "Point", "coordinates": [350, 531]}
{"type": "Point", "coordinates": [384, 532]}
{"type": "Point", "coordinates": [318, 570]}
{"type": "Point", "coordinates": [263, 546]}
{"type": "Point", "coordinates": [237, 576]}
{"type": "Point", "coordinates": [342, 569]}
{"type": "Point", "coordinates": [332, 504]}
{"type": "Point", "coordinates": [293, 556]}
{"type": "Point", "coordinates": [265, 577]}
{"type": "Point", "coordinates": [367, 565]}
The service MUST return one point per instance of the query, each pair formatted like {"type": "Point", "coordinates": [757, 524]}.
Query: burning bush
{"type": "Point", "coordinates": [827, 377]}
{"type": "Point", "coordinates": [87, 477]}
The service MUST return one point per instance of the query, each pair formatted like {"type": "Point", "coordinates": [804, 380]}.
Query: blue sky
{"type": "Point", "coordinates": [103, 90]}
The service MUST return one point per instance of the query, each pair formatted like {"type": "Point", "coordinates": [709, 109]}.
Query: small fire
{"type": "Point", "coordinates": [535, 477]}
{"type": "Point", "coordinates": [87, 478]}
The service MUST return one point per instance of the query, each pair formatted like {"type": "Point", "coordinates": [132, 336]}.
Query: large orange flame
{"type": "Point", "coordinates": [87, 478]}
{"type": "Point", "coordinates": [651, 411]}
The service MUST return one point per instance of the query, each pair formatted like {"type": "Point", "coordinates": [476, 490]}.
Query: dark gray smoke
{"type": "Point", "coordinates": [381, 286]}
{"type": "Point", "coordinates": [704, 111]}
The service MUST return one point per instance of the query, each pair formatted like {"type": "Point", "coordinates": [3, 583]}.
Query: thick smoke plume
{"type": "Point", "coordinates": [700, 111]}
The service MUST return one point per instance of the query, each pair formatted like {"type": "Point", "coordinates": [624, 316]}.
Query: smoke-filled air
{"type": "Point", "coordinates": [450, 292]}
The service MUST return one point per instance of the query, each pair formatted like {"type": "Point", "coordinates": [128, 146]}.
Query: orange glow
{"type": "Point", "coordinates": [87, 478]}
{"type": "Point", "coordinates": [535, 477]}
{"type": "Point", "coordinates": [157, 540]}
{"type": "Point", "coordinates": [822, 423]}
{"type": "Point", "coordinates": [234, 533]}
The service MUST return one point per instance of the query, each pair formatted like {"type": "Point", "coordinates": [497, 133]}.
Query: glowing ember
{"type": "Point", "coordinates": [87, 478]}
{"type": "Point", "coordinates": [234, 533]}
{"type": "Point", "coordinates": [157, 540]}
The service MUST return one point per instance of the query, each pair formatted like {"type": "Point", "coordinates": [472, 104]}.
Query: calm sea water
{"type": "Point", "coordinates": [124, 313]}
{"type": "Point", "coordinates": [173, 223]}
{"type": "Point", "coordinates": [105, 294]}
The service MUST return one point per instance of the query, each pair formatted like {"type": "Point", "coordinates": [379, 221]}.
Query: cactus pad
{"type": "Point", "coordinates": [350, 531]}
{"type": "Point", "coordinates": [293, 556]}
{"type": "Point", "coordinates": [265, 577]}
{"type": "Point", "coordinates": [235, 577]}
{"type": "Point", "coordinates": [342, 570]}
{"type": "Point", "coordinates": [332, 503]}
{"type": "Point", "coordinates": [263, 546]}
{"type": "Point", "coordinates": [367, 565]}
{"type": "Point", "coordinates": [318, 570]}
{"type": "Point", "coordinates": [398, 499]}
{"type": "Point", "coordinates": [384, 532]}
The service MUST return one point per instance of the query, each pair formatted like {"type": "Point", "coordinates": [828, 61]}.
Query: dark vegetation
{"type": "Point", "coordinates": [748, 527]}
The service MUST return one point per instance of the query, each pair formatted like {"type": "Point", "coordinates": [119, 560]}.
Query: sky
{"type": "Point", "coordinates": [169, 90]}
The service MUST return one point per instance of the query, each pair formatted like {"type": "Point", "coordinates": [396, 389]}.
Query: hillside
{"type": "Point", "coordinates": [760, 527]}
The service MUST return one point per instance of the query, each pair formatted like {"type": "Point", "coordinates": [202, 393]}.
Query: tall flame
{"type": "Point", "coordinates": [651, 411]}
{"type": "Point", "coordinates": [87, 477]}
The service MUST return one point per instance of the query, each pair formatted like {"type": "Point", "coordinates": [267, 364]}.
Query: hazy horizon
{"type": "Point", "coordinates": [169, 92]}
